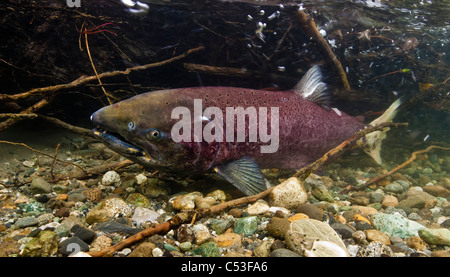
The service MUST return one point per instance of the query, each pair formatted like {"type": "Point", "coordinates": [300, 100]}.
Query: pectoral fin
{"type": "Point", "coordinates": [244, 174]}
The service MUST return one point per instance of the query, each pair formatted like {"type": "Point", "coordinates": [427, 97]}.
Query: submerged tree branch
{"type": "Point", "coordinates": [412, 158]}
{"type": "Point", "coordinates": [308, 24]}
{"type": "Point", "coordinates": [78, 82]}
{"type": "Point", "coordinates": [304, 172]}
{"type": "Point", "coordinates": [86, 79]}
{"type": "Point", "coordinates": [42, 153]}
{"type": "Point", "coordinates": [176, 221]}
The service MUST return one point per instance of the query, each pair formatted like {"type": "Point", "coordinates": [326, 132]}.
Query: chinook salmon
{"type": "Point", "coordinates": [233, 131]}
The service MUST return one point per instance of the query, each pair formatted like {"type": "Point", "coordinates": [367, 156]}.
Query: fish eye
{"type": "Point", "coordinates": [131, 126]}
{"type": "Point", "coordinates": [154, 134]}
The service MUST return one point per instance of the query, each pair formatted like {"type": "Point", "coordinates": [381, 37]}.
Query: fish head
{"type": "Point", "coordinates": [138, 128]}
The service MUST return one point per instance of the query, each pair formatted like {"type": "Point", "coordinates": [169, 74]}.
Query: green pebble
{"type": "Point", "coordinates": [138, 200]}
{"type": "Point", "coordinates": [246, 225]}
{"type": "Point", "coordinates": [208, 249]}
{"type": "Point", "coordinates": [185, 246]}
{"type": "Point", "coordinates": [322, 194]}
{"type": "Point", "coordinates": [43, 245]}
{"type": "Point", "coordinates": [170, 247]}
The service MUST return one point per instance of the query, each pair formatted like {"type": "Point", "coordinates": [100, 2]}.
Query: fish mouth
{"type": "Point", "coordinates": [120, 145]}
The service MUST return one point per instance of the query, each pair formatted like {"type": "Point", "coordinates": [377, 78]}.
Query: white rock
{"type": "Point", "coordinates": [157, 252]}
{"type": "Point", "coordinates": [289, 194]}
{"type": "Point", "coordinates": [124, 252]}
{"type": "Point", "coordinates": [276, 209]}
{"type": "Point", "coordinates": [117, 206]}
{"type": "Point", "coordinates": [314, 238]}
{"type": "Point", "coordinates": [218, 195]}
{"type": "Point", "coordinates": [141, 179]}
{"type": "Point", "coordinates": [186, 201]}
{"type": "Point", "coordinates": [325, 249]}
{"type": "Point", "coordinates": [28, 163]}
{"type": "Point", "coordinates": [142, 215]}
{"type": "Point", "coordinates": [111, 178]}
{"type": "Point", "coordinates": [201, 233]}
{"type": "Point", "coordinates": [353, 249]}
{"type": "Point", "coordinates": [259, 207]}
{"type": "Point", "coordinates": [80, 254]}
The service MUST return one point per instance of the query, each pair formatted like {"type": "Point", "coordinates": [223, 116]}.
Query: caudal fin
{"type": "Point", "coordinates": [374, 140]}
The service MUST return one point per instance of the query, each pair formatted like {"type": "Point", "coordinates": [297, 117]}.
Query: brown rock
{"type": "Point", "coordinates": [278, 226]}
{"type": "Point", "coordinates": [61, 196]}
{"type": "Point", "coordinates": [445, 182]}
{"type": "Point", "coordinates": [228, 240]}
{"type": "Point", "coordinates": [375, 235]}
{"type": "Point", "coordinates": [297, 216]}
{"type": "Point", "coordinates": [143, 250]}
{"type": "Point", "coordinates": [437, 190]}
{"type": "Point", "coordinates": [93, 194]}
{"type": "Point", "coordinates": [441, 253]}
{"type": "Point", "coordinates": [311, 211]}
{"type": "Point", "coordinates": [100, 243]}
{"type": "Point", "coordinates": [416, 243]}
{"type": "Point", "coordinates": [418, 199]}
{"type": "Point", "coordinates": [62, 212]}
{"type": "Point", "coordinates": [389, 201]}
{"type": "Point", "coordinates": [235, 212]}
{"type": "Point", "coordinates": [9, 246]}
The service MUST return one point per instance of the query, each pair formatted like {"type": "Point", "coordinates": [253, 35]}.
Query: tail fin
{"type": "Point", "coordinates": [373, 140]}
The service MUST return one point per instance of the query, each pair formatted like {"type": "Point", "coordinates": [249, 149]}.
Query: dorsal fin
{"type": "Point", "coordinates": [312, 88]}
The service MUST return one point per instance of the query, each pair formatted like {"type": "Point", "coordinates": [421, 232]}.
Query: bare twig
{"type": "Point", "coordinates": [412, 158]}
{"type": "Point", "coordinates": [308, 24]}
{"type": "Point", "coordinates": [108, 96]}
{"type": "Point", "coordinates": [16, 115]}
{"type": "Point", "coordinates": [13, 120]}
{"type": "Point", "coordinates": [78, 82]}
{"type": "Point", "coordinates": [54, 160]}
{"type": "Point", "coordinates": [62, 124]}
{"type": "Point", "coordinates": [224, 71]}
{"type": "Point", "coordinates": [304, 172]}
{"type": "Point", "coordinates": [176, 221]}
{"type": "Point", "coordinates": [86, 79]}
{"type": "Point", "coordinates": [42, 153]}
{"type": "Point", "coordinates": [99, 169]}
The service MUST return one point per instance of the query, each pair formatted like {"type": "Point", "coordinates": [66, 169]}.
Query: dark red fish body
{"type": "Point", "coordinates": [306, 130]}
{"type": "Point", "coordinates": [148, 129]}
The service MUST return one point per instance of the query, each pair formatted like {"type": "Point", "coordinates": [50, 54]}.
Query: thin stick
{"type": "Point", "coordinates": [86, 79]}
{"type": "Point", "coordinates": [308, 24]}
{"type": "Point", "coordinates": [176, 221]}
{"type": "Point", "coordinates": [280, 41]}
{"type": "Point", "coordinates": [42, 153]}
{"type": "Point", "coordinates": [16, 115]}
{"type": "Point", "coordinates": [306, 171]}
{"type": "Point", "coordinates": [412, 158]}
{"type": "Point", "coordinates": [13, 120]}
{"type": "Point", "coordinates": [78, 82]}
{"type": "Point", "coordinates": [62, 124]}
{"type": "Point", "coordinates": [95, 70]}
{"type": "Point", "coordinates": [54, 160]}
{"type": "Point", "coordinates": [100, 169]}
{"type": "Point", "coordinates": [224, 71]}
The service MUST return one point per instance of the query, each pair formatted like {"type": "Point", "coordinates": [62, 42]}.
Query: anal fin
{"type": "Point", "coordinates": [244, 174]}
